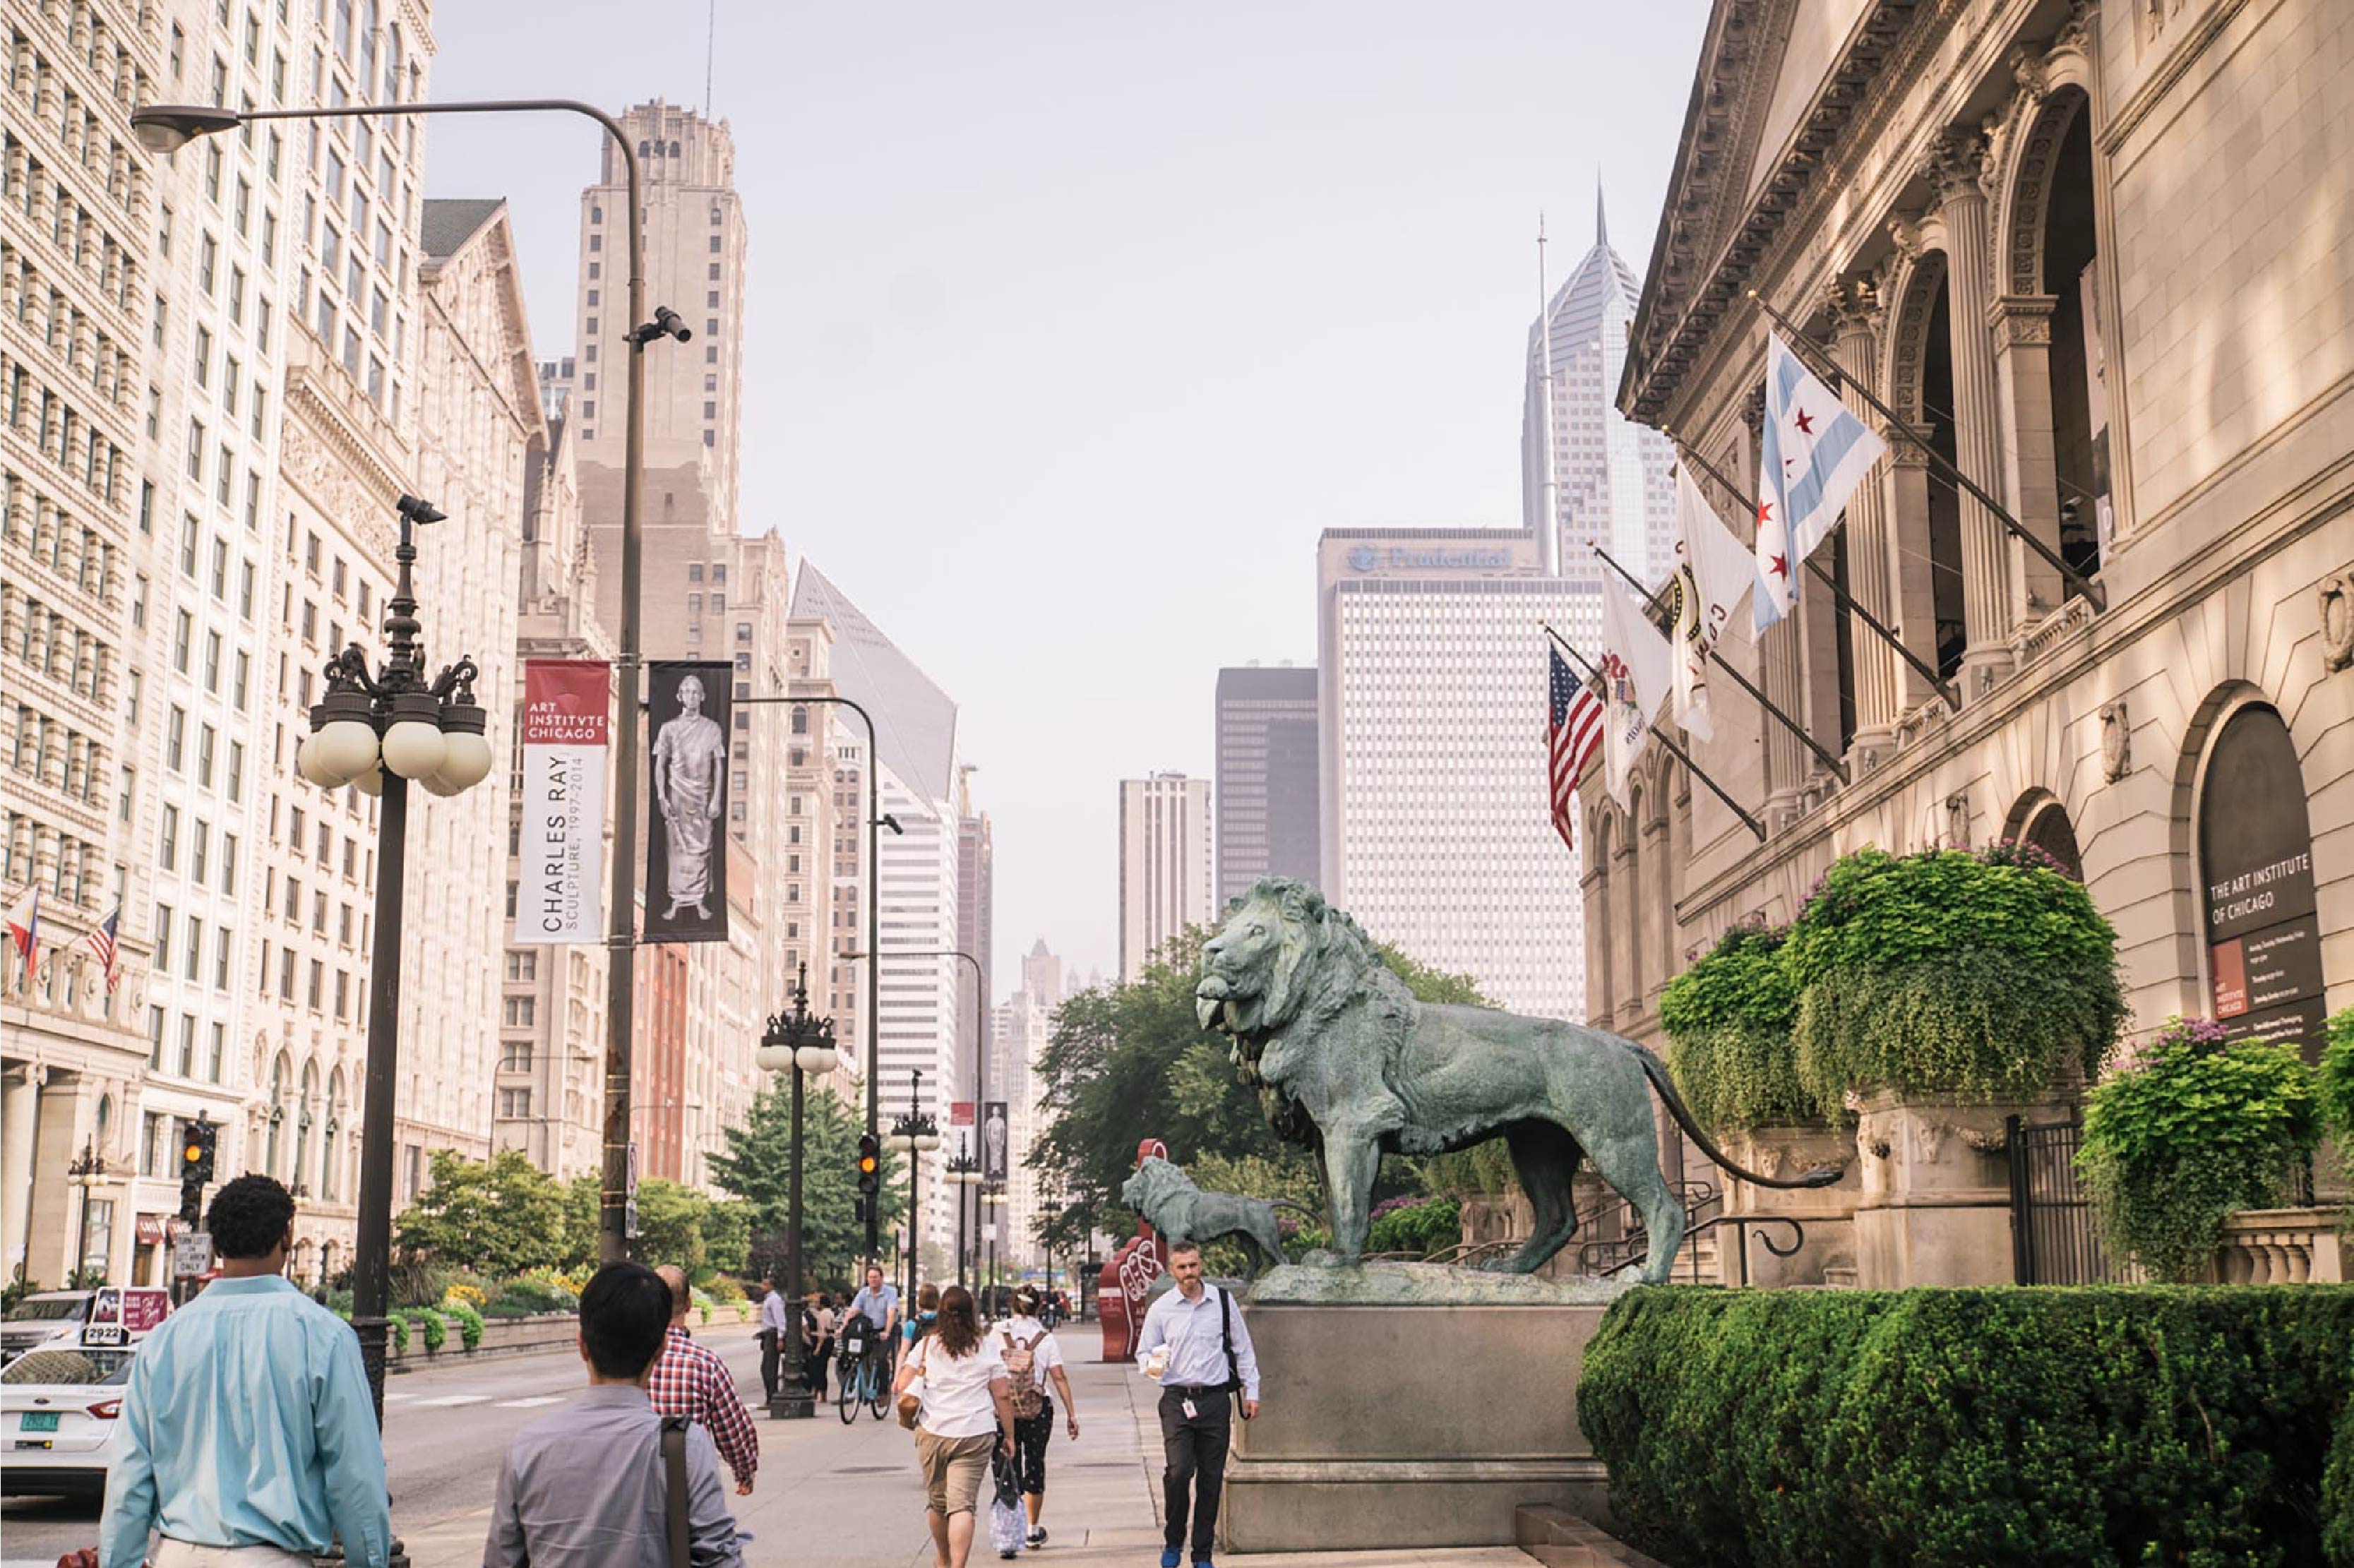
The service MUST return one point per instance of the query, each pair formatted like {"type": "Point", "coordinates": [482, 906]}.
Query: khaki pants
{"type": "Point", "coordinates": [952, 1469]}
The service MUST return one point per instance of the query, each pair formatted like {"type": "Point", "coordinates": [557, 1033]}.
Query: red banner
{"type": "Point", "coordinates": [566, 704]}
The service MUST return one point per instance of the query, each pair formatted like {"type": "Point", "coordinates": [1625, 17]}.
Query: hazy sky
{"type": "Point", "coordinates": [1069, 327]}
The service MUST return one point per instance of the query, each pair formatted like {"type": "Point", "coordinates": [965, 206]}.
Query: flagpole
{"type": "Point", "coordinates": [1674, 750]}
{"type": "Point", "coordinates": [1840, 596]}
{"type": "Point", "coordinates": [2051, 557]}
{"type": "Point", "coordinates": [1808, 741]}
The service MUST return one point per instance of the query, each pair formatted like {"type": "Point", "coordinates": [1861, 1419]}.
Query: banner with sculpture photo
{"type": "Point", "coordinates": [686, 827]}
{"type": "Point", "coordinates": [566, 704]}
{"type": "Point", "coordinates": [995, 1131]}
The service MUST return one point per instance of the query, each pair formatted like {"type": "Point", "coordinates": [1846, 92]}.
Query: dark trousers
{"type": "Point", "coordinates": [1194, 1448]}
{"type": "Point", "coordinates": [769, 1353]}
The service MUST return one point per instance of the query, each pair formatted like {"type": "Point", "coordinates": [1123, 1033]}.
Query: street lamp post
{"type": "Point", "coordinates": [379, 733]}
{"type": "Point", "coordinates": [87, 1171]}
{"type": "Point", "coordinates": [801, 1044]}
{"type": "Point", "coordinates": [964, 1174]}
{"type": "Point", "coordinates": [913, 1134]}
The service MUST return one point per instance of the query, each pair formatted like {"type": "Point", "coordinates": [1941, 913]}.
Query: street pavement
{"type": "Point", "coordinates": [827, 1495]}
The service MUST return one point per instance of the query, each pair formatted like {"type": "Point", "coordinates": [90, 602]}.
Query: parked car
{"type": "Point", "coordinates": [111, 1316]}
{"type": "Point", "coordinates": [60, 1425]}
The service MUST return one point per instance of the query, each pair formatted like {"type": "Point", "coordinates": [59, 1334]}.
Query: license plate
{"type": "Point", "coordinates": [37, 1421]}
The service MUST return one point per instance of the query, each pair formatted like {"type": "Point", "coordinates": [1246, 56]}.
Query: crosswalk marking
{"type": "Point", "coordinates": [456, 1399]}
{"type": "Point", "coordinates": [397, 1398]}
{"type": "Point", "coordinates": [535, 1400]}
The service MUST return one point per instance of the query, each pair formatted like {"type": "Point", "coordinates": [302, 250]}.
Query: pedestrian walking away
{"type": "Point", "coordinates": [687, 1379]}
{"type": "Point", "coordinates": [964, 1416]}
{"type": "Point", "coordinates": [878, 1302]}
{"type": "Point", "coordinates": [1197, 1347]}
{"type": "Point", "coordinates": [608, 1481]}
{"type": "Point", "coordinates": [248, 1434]}
{"type": "Point", "coordinates": [774, 1319]}
{"type": "Point", "coordinates": [926, 1314]}
{"type": "Point", "coordinates": [1033, 1355]}
{"type": "Point", "coordinates": [821, 1353]}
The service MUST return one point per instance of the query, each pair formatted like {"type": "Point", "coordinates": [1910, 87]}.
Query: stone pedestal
{"type": "Point", "coordinates": [1411, 1406]}
{"type": "Point", "coordinates": [1825, 1251]}
{"type": "Point", "coordinates": [1935, 1205]}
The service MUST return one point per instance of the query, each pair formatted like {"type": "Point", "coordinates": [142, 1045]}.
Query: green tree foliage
{"type": "Point", "coordinates": [1129, 1060]}
{"type": "Point", "coordinates": [501, 1217]}
{"type": "Point", "coordinates": [1728, 1019]}
{"type": "Point", "coordinates": [1950, 972]}
{"type": "Point", "coordinates": [757, 1168]}
{"type": "Point", "coordinates": [2103, 1426]}
{"type": "Point", "coordinates": [2195, 1127]}
{"type": "Point", "coordinates": [2333, 1091]}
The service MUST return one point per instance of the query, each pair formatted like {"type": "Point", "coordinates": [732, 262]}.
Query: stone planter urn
{"type": "Point", "coordinates": [1935, 1200]}
{"type": "Point", "coordinates": [1826, 1215]}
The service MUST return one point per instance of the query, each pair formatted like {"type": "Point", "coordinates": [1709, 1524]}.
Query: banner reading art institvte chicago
{"type": "Point", "coordinates": [566, 707]}
{"type": "Point", "coordinates": [687, 828]}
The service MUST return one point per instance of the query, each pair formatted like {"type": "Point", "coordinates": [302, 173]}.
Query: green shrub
{"type": "Point", "coordinates": [1419, 1226]}
{"type": "Point", "coordinates": [531, 1293]}
{"type": "Point", "coordinates": [428, 1322]}
{"type": "Point", "coordinates": [470, 1321]}
{"type": "Point", "coordinates": [2337, 1495]}
{"type": "Point", "coordinates": [2095, 1425]}
{"type": "Point", "coordinates": [1728, 1019]}
{"type": "Point", "coordinates": [2190, 1130]}
{"type": "Point", "coordinates": [2333, 1089]}
{"type": "Point", "coordinates": [1949, 972]}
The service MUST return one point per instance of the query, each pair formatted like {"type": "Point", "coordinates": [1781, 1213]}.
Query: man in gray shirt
{"type": "Point", "coordinates": [586, 1488]}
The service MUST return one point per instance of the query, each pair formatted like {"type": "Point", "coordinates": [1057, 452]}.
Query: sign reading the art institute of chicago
{"type": "Point", "coordinates": [2256, 852]}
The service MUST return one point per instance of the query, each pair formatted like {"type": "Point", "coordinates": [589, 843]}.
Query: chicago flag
{"type": "Point", "coordinates": [1815, 454]}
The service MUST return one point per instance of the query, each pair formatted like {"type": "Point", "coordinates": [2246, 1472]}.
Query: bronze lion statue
{"type": "Point", "coordinates": [1180, 1211]}
{"type": "Point", "coordinates": [1349, 1064]}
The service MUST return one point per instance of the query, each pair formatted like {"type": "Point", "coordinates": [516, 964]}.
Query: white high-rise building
{"type": "Point", "coordinates": [1613, 484]}
{"type": "Point", "coordinates": [1436, 832]}
{"type": "Point", "coordinates": [1024, 1022]}
{"type": "Point", "coordinates": [1166, 853]}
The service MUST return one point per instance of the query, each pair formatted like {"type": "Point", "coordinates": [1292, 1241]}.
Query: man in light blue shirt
{"type": "Point", "coordinates": [247, 1422]}
{"type": "Point", "coordinates": [878, 1303]}
{"type": "Point", "coordinates": [1197, 1345]}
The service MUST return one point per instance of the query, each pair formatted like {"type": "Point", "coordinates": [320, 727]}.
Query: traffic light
{"type": "Point", "coordinates": [197, 1151]}
{"type": "Point", "coordinates": [870, 1164]}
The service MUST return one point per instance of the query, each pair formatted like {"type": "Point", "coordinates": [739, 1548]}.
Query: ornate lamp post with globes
{"type": "Point", "coordinates": [381, 733]}
{"type": "Point", "coordinates": [802, 1046]}
{"type": "Point", "coordinates": [964, 1175]}
{"type": "Point", "coordinates": [913, 1134]}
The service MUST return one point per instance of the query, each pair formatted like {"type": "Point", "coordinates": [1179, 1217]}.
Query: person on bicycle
{"type": "Point", "coordinates": [878, 1303]}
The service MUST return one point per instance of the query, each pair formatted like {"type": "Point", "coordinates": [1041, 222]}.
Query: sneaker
{"type": "Point", "coordinates": [1171, 1557]}
{"type": "Point", "coordinates": [1037, 1536]}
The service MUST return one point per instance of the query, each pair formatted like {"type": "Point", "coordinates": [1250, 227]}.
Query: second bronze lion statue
{"type": "Point", "coordinates": [1349, 1064]}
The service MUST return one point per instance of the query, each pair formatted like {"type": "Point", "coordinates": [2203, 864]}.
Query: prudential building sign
{"type": "Point", "coordinates": [1408, 558]}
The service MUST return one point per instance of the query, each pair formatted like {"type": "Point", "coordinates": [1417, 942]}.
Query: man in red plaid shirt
{"type": "Point", "coordinates": [690, 1380]}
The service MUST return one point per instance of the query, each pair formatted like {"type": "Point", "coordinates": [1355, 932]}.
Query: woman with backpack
{"type": "Point", "coordinates": [1032, 1355]}
{"type": "Point", "coordinates": [962, 1409]}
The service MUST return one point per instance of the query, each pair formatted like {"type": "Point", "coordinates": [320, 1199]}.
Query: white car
{"type": "Point", "coordinates": [111, 1315]}
{"type": "Point", "coordinates": [60, 1420]}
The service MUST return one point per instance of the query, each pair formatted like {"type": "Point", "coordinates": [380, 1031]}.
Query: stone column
{"type": "Point", "coordinates": [20, 1105]}
{"type": "Point", "coordinates": [2021, 326]}
{"type": "Point", "coordinates": [1855, 344]}
{"type": "Point", "coordinates": [1955, 162]}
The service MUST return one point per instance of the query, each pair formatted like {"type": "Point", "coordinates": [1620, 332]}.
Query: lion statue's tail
{"type": "Point", "coordinates": [1657, 1071]}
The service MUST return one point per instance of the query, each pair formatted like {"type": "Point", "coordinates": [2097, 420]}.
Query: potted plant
{"type": "Point", "coordinates": [1939, 994]}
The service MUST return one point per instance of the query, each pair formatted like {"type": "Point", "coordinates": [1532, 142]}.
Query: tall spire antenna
{"type": "Point", "coordinates": [1601, 225]}
{"type": "Point", "coordinates": [1549, 532]}
{"type": "Point", "coordinates": [710, 52]}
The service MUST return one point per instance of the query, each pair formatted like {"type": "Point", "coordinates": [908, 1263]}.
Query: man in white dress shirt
{"type": "Point", "coordinates": [1198, 1346]}
{"type": "Point", "coordinates": [776, 1322]}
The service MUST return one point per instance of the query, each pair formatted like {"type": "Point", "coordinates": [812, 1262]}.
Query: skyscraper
{"type": "Point", "coordinates": [1612, 478]}
{"type": "Point", "coordinates": [1436, 832]}
{"type": "Point", "coordinates": [1165, 878]}
{"type": "Point", "coordinates": [975, 913]}
{"type": "Point", "coordinates": [1267, 777]}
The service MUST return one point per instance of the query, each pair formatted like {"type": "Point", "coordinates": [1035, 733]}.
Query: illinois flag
{"type": "Point", "coordinates": [1637, 672]}
{"type": "Point", "coordinates": [1815, 453]}
{"type": "Point", "coordinates": [1714, 569]}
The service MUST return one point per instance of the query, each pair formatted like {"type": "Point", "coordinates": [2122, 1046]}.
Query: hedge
{"type": "Point", "coordinates": [2107, 1424]}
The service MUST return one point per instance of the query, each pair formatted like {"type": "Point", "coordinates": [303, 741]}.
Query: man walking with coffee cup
{"type": "Point", "coordinates": [1196, 1345]}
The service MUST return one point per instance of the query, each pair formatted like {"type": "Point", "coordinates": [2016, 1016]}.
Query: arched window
{"type": "Point", "coordinates": [332, 1152]}
{"type": "Point", "coordinates": [2257, 892]}
{"type": "Point", "coordinates": [277, 1115]}
{"type": "Point", "coordinates": [303, 1123]}
{"type": "Point", "coordinates": [2041, 820]}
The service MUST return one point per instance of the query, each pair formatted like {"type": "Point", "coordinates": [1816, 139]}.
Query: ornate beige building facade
{"type": "Point", "coordinates": [2098, 253]}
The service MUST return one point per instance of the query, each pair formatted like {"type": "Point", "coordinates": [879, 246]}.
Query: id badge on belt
{"type": "Point", "coordinates": [1187, 1406]}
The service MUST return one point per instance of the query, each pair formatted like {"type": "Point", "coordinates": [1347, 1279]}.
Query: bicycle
{"type": "Point", "coordinates": [862, 1376]}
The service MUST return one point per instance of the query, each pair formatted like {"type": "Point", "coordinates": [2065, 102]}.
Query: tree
{"type": "Point", "coordinates": [1131, 1061]}
{"type": "Point", "coordinates": [758, 1168]}
{"type": "Point", "coordinates": [501, 1218]}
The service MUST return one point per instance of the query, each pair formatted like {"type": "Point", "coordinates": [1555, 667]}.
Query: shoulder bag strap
{"type": "Point", "coordinates": [674, 1447]}
{"type": "Point", "coordinates": [1226, 1329]}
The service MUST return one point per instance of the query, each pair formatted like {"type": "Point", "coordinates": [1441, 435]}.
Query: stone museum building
{"type": "Point", "coordinates": [2097, 255]}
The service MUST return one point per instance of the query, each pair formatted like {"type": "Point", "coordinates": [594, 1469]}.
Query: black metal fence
{"type": "Point", "coordinates": [2052, 1239]}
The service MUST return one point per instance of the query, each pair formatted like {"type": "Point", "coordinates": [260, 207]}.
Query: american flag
{"type": "Point", "coordinates": [101, 942]}
{"type": "Point", "coordinates": [1576, 734]}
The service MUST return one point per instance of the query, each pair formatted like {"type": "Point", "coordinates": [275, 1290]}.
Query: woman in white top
{"type": "Point", "coordinates": [963, 1416]}
{"type": "Point", "coordinates": [1016, 1336]}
